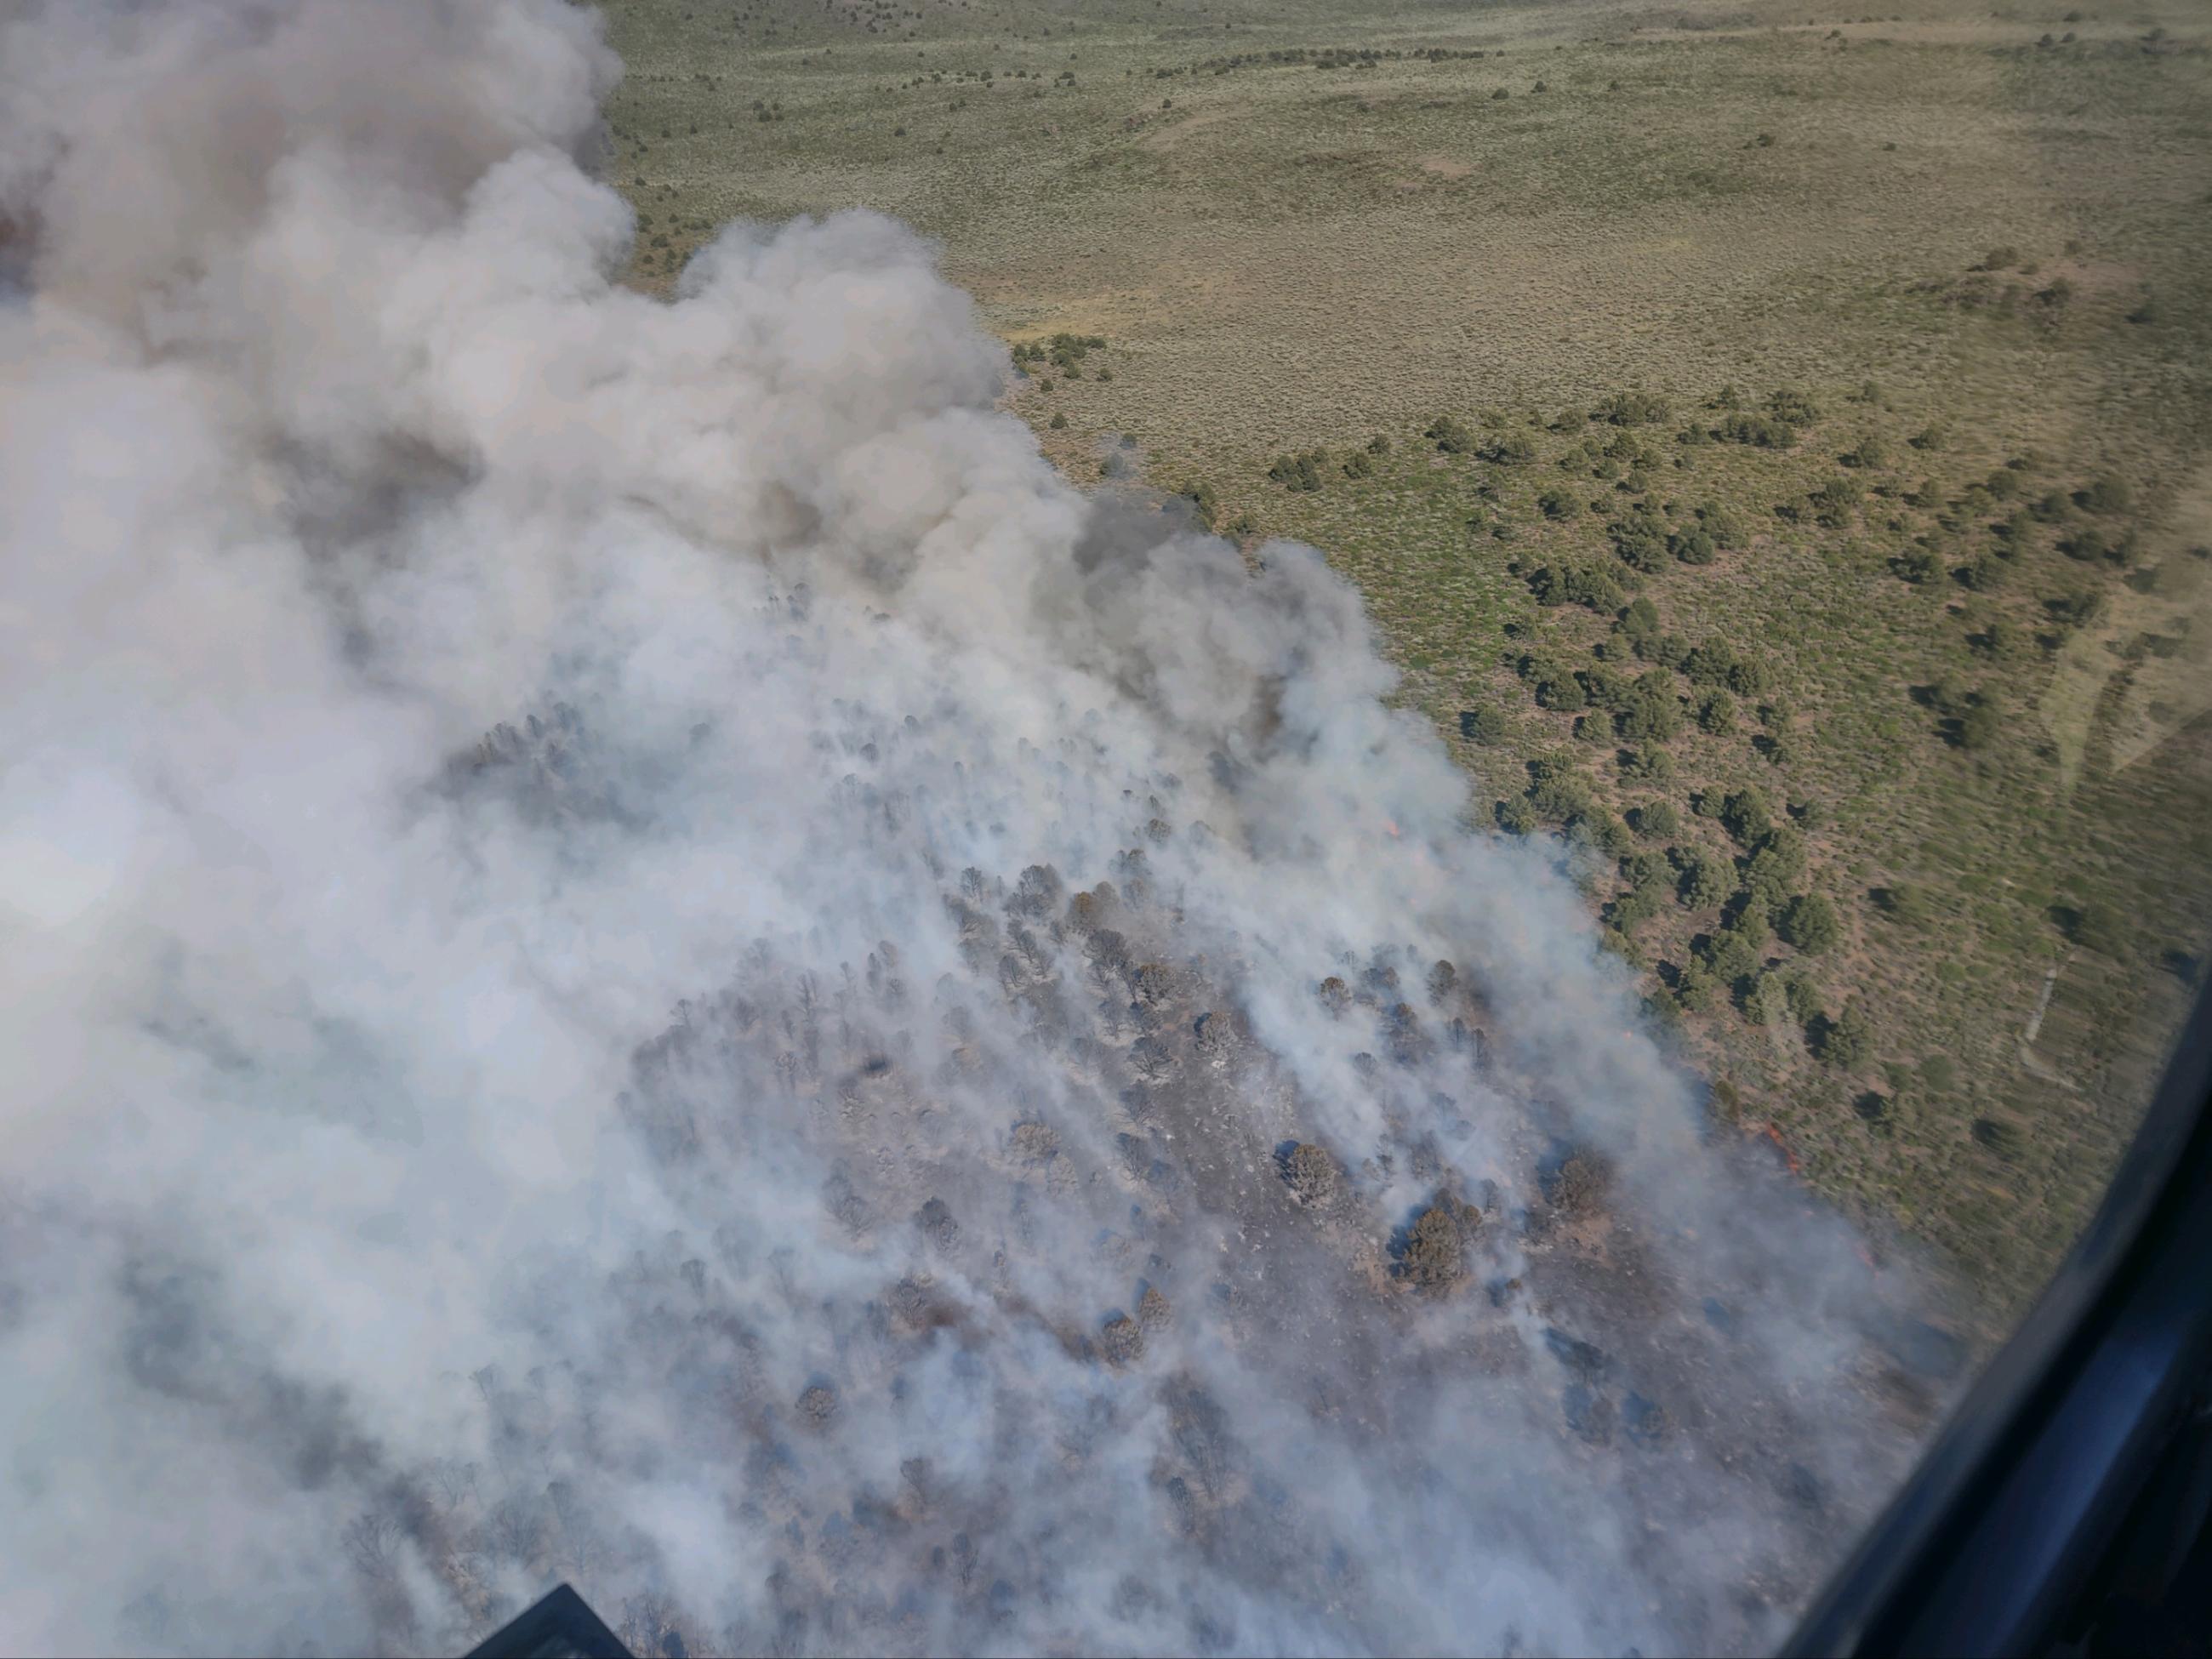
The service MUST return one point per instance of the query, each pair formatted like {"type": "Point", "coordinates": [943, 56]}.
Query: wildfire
{"type": "Point", "coordinates": [1774, 1134]}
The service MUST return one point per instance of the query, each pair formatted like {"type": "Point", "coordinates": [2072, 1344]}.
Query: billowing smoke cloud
{"type": "Point", "coordinates": [637, 948]}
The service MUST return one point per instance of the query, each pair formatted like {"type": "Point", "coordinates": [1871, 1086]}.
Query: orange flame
{"type": "Point", "coordinates": [1774, 1134]}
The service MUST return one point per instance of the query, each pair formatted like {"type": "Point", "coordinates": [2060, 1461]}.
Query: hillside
{"type": "Point", "coordinates": [1775, 447]}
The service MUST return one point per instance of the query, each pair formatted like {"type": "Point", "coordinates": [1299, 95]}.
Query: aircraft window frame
{"type": "Point", "coordinates": [2007, 1519]}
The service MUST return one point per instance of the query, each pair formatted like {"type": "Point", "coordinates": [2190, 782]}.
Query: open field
{"type": "Point", "coordinates": [1959, 561]}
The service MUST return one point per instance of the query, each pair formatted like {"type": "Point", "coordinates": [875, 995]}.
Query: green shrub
{"type": "Point", "coordinates": [1711, 663]}
{"type": "Point", "coordinates": [1729, 958]}
{"type": "Point", "coordinates": [1605, 689]}
{"type": "Point", "coordinates": [1299, 472]}
{"type": "Point", "coordinates": [1985, 573]}
{"type": "Point", "coordinates": [1917, 565]}
{"type": "Point", "coordinates": [1603, 831]}
{"type": "Point", "coordinates": [1845, 1041]}
{"type": "Point", "coordinates": [1449, 436]}
{"type": "Point", "coordinates": [1485, 725]}
{"type": "Point", "coordinates": [1907, 904]}
{"type": "Point", "coordinates": [1631, 409]}
{"type": "Point", "coordinates": [1809, 923]}
{"type": "Point", "coordinates": [1776, 865]}
{"type": "Point", "coordinates": [1694, 991]}
{"type": "Point", "coordinates": [1640, 621]}
{"type": "Point", "coordinates": [1749, 915]}
{"type": "Point", "coordinates": [2106, 494]}
{"type": "Point", "coordinates": [1564, 585]}
{"type": "Point", "coordinates": [1693, 546]}
{"type": "Point", "coordinates": [1704, 882]}
{"type": "Point", "coordinates": [2095, 926]}
{"type": "Point", "coordinates": [1834, 502]}
{"type": "Point", "coordinates": [1558, 792]}
{"type": "Point", "coordinates": [1640, 538]}
{"type": "Point", "coordinates": [2075, 607]}
{"type": "Point", "coordinates": [1652, 714]}
{"type": "Point", "coordinates": [1980, 725]}
{"type": "Point", "coordinates": [1759, 431]}
{"type": "Point", "coordinates": [1724, 526]}
{"type": "Point", "coordinates": [1745, 815]}
{"type": "Point", "coordinates": [1803, 998]}
{"type": "Point", "coordinates": [1560, 691]}
{"type": "Point", "coordinates": [1792, 406]}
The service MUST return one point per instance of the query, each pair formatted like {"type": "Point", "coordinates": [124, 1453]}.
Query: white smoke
{"type": "Point", "coordinates": [533, 1051]}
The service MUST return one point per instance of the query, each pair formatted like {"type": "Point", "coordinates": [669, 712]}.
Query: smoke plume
{"type": "Point", "coordinates": [637, 948]}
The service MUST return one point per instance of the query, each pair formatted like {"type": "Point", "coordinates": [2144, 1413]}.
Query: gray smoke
{"type": "Point", "coordinates": [637, 948]}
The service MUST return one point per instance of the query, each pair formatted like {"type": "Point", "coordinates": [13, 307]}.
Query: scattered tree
{"type": "Point", "coordinates": [1907, 904]}
{"type": "Point", "coordinates": [1745, 816]}
{"type": "Point", "coordinates": [1311, 1173]}
{"type": "Point", "coordinates": [1121, 1340]}
{"type": "Point", "coordinates": [1870, 452]}
{"type": "Point", "coordinates": [1809, 923]}
{"type": "Point", "coordinates": [1775, 864]}
{"type": "Point", "coordinates": [1579, 1185]}
{"type": "Point", "coordinates": [1485, 725]}
{"type": "Point", "coordinates": [1917, 565]}
{"type": "Point", "coordinates": [1981, 725]}
{"type": "Point", "coordinates": [1704, 883]}
{"type": "Point", "coordinates": [1449, 436]}
{"type": "Point", "coordinates": [1631, 409]}
{"type": "Point", "coordinates": [1834, 502]}
{"type": "Point", "coordinates": [1299, 472]}
{"type": "Point", "coordinates": [1433, 1255]}
{"type": "Point", "coordinates": [1693, 546]}
{"type": "Point", "coordinates": [2105, 495]}
{"type": "Point", "coordinates": [1845, 1042]}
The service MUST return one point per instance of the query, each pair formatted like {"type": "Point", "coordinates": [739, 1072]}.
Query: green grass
{"type": "Point", "coordinates": [1283, 257]}
{"type": "Point", "coordinates": [1993, 838]}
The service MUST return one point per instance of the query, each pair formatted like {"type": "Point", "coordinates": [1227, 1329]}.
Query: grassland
{"type": "Point", "coordinates": [1970, 247]}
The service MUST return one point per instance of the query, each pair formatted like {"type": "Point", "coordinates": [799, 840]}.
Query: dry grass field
{"type": "Point", "coordinates": [1914, 308]}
